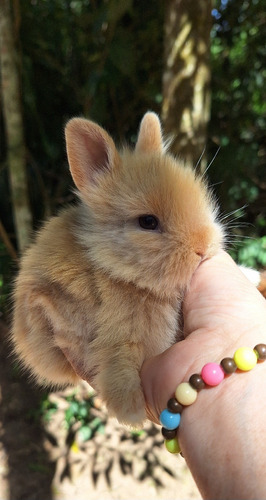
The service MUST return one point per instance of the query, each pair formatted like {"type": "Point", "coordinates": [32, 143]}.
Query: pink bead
{"type": "Point", "coordinates": [212, 374]}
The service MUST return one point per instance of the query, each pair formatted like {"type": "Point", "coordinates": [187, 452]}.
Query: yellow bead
{"type": "Point", "coordinates": [185, 394]}
{"type": "Point", "coordinates": [245, 358]}
{"type": "Point", "coordinates": [172, 445]}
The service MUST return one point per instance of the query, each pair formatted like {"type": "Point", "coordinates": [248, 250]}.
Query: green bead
{"type": "Point", "coordinates": [172, 445]}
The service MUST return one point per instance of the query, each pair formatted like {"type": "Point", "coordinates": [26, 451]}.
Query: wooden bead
{"type": "Point", "coordinates": [185, 394]}
{"type": "Point", "coordinates": [228, 365]}
{"type": "Point", "coordinates": [169, 434]}
{"type": "Point", "coordinates": [174, 406]}
{"type": "Point", "coordinates": [196, 382]}
{"type": "Point", "coordinates": [261, 351]}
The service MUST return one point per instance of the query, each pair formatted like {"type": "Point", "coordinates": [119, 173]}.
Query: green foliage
{"type": "Point", "coordinates": [238, 119]}
{"type": "Point", "coordinates": [103, 59]}
{"type": "Point", "coordinates": [44, 411]}
{"type": "Point", "coordinates": [99, 59]}
{"type": "Point", "coordinates": [81, 411]}
{"type": "Point", "coordinates": [47, 409]}
{"type": "Point", "coordinates": [252, 253]}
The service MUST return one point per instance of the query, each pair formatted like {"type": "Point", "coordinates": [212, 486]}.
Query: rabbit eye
{"type": "Point", "coordinates": [149, 222]}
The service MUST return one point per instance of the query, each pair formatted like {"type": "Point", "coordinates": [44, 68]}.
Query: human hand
{"type": "Point", "coordinates": [222, 312]}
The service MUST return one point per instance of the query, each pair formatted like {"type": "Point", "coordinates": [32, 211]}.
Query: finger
{"type": "Point", "coordinates": [161, 374]}
{"type": "Point", "coordinates": [219, 291]}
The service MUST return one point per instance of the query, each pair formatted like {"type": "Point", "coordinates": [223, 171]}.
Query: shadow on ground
{"type": "Point", "coordinates": [47, 458]}
{"type": "Point", "coordinates": [26, 469]}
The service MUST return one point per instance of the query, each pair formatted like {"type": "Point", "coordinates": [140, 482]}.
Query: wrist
{"type": "Point", "coordinates": [161, 374]}
{"type": "Point", "coordinates": [222, 437]}
{"type": "Point", "coordinates": [220, 431]}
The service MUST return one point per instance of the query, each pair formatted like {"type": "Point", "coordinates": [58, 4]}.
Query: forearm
{"type": "Point", "coordinates": [222, 437]}
{"type": "Point", "coordinates": [222, 434]}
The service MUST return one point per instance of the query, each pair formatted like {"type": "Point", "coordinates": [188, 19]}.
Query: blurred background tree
{"type": "Point", "coordinates": [186, 76]}
{"type": "Point", "coordinates": [15, 144]}
{"type": "Point", "coordinates": [107, 60]}
{"type": "Point", "coordinates": [238, 119]}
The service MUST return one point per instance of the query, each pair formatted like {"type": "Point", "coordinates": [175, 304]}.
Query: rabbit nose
{"type": "Point", "coordinates": [200, 254]}
{"type": "Point", "coordinates": [203, 256]}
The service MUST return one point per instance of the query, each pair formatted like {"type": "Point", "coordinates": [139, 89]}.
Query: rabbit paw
{"type": "Point", "coordinates": [124, 399]}
{"type": "Point", "coordinates": [130, 409]}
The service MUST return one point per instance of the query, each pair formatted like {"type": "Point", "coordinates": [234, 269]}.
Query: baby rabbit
{"type": "Point", "coordinates": [100, 289]}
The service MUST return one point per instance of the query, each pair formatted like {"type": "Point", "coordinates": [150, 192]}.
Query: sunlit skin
{"type": "Point", "coordinates": [222, 435]}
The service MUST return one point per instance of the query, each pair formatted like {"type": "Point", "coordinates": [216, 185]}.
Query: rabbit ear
{"type": "Point", "coordinates": [90, 151]}
{"type": "Point", "coordinates": [150, 134]}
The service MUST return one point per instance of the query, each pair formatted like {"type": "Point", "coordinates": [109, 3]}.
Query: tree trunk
{"type": "Point", "coordinates": [14, 127]}
{"type": "Point", "coordinates": [186, 78]}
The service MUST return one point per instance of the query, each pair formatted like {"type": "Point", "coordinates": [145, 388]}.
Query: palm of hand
{"type": "Point", "coordinates": [222, 311]}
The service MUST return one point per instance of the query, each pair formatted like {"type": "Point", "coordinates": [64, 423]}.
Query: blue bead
{"type": "Point", "coordinates": [170, 420]}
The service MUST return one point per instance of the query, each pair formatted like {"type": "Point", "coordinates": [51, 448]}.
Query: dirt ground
{"type": "Point", "coordinates": [41, 458]}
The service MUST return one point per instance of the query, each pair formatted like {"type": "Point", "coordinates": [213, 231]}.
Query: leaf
{"type": "Point", "coordinates": [101, 429]}
{"type": "Point", "coordinates": [95, 423]}
{"type": "Point", "coordinates": [85, 433]}
{"type": "Point", "coordinates": [74, 408]}
{"type": "Point", "coordinates": [75, 447]}
{"type": "Point", "coordinates": [83, 411]}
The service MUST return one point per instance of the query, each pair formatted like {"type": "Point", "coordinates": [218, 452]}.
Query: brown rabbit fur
{"type": "Point", "coordinates": [97, 293]}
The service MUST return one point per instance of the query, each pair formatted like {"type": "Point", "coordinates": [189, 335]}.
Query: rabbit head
{"type": "Point", "coordinates": [146, 217]}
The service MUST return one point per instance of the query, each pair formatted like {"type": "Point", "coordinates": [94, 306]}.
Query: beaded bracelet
{"type": "Point", "coordinates": [212, 374]}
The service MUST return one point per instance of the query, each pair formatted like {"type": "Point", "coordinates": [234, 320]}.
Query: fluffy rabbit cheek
{"type": "Point", "coordinates": [158, 264]}
{"type": "Point", "coordinates": [183, 258]}
{"type": "Point", "coordinates": [178, 268]}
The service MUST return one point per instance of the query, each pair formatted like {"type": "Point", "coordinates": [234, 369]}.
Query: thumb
{"type": "Point", "coordinates": [161, 374]}
{"type": "Point", "coordinates": [217, 320]}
